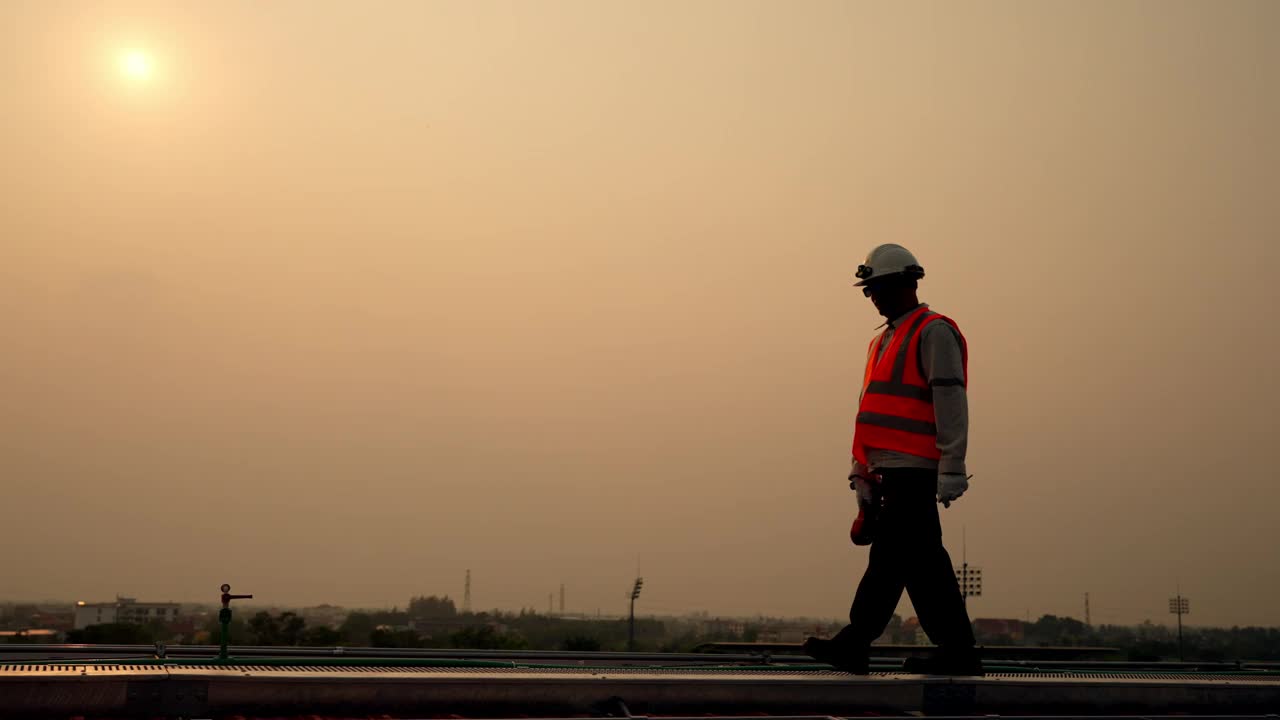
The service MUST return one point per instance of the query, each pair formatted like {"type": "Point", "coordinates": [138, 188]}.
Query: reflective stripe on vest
{"type": "Point", "coordinates": [896, 410]}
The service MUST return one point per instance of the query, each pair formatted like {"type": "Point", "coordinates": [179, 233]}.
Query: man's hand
{"type": "Point", "coordinates": [861, 481]}
{"type": "Point", "coordinates": [950, 487]}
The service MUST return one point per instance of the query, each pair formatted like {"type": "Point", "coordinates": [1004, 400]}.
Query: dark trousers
{"type": "Point", "coordinates": [907, 554]}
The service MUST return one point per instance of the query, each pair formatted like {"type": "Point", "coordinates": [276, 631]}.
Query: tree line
{"type": "Point", "coordinates": [434, 622]}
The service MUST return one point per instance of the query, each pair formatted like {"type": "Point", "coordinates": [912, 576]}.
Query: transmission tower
{"type": "Point", "coordinates": [561, 598]}
{"type": "Point", "coordinates": [466, 594]}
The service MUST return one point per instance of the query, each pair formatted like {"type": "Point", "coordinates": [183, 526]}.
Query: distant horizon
{"type": "Point", "coordinates": [640, 612]}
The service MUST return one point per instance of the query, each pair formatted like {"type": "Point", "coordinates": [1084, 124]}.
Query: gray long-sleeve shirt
{"type": "Point", "coordinates": [942, 358]}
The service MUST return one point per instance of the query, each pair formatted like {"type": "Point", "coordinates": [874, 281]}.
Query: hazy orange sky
{"type": "Point", "coordinates": [346, 298]}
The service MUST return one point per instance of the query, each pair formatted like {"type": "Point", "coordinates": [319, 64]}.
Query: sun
{"type": "Point", "coordinates": [135, 64]}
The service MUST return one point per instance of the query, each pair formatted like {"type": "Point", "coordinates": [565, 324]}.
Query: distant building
{"type": "Point", "coordinates": [791, 633]}
{"type": "Point", "coordinates": [59, 621]}
{"type": "Point", "coordinates": [722, 628]}
{"type": "Point", "coordinates": [912, 633]}
{"type": "Point", "coordinates": [124, 610]}
{"type": "Point", "coordinates": [998, 629]}
{"type": "Point", "coordinates": [94, 614]}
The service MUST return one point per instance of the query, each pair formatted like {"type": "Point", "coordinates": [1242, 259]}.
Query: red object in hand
{"type": "Point", "coordinates": [864, 525]}
{"type": "Point", "coordinates": [862, 532]}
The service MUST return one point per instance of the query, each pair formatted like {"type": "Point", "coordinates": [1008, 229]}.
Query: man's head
{"type": "Point", "coordinates": [889, 277]}
{"type": "Point", "coordinates": [892, 295]}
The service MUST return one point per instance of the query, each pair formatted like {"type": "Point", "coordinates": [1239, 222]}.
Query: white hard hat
{"type": "Point", "coordinates": [888, 259]}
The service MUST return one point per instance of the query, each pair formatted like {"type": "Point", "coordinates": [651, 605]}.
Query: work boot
{"type": "Point", "coordinates": [838, 655]}
{"type": "Point", "coordinates": [943, 662]}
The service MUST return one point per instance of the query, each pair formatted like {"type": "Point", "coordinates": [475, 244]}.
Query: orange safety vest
{"type": "Point", "coordinates": [896, 411]}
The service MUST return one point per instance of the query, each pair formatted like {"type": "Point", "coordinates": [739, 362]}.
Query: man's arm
{"type": "Point", "coordinates": [943, 362]}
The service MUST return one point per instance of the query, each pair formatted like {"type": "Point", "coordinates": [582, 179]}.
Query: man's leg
{"type": "Point", "coordinates": [873, 605]}
{"type": "Point", "coordinates": [935, 594]}
{"type": "Point", "coordinates": [877, 596]}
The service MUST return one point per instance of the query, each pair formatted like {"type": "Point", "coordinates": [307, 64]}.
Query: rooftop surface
{"type": "Point", "coordinates": [611, 685]}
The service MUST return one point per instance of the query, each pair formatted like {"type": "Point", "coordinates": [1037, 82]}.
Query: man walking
{"type": "Point", "coordinates": [908, 455]}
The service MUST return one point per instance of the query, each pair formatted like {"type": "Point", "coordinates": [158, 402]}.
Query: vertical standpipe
{"type": "Point", "coordinates": [224, 619]}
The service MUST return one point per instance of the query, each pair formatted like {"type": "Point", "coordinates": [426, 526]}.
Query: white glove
{"type": "Point", "coordinates": [863, 488]}
{"type": "Point", "coordinates": [861, 478]}
{"type": "Point", "coordinates": [950, 487]}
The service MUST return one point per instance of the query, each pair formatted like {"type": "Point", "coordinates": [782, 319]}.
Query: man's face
{"type": "Point", "coordinates": [880, 293]}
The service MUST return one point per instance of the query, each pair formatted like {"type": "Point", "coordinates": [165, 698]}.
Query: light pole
{"type": "Point", "coordinates": [631, 624]}
{"type": "Point", "coordinates": [1179, 606]}
{"type": "Point", "coordinates": [969, 577]}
